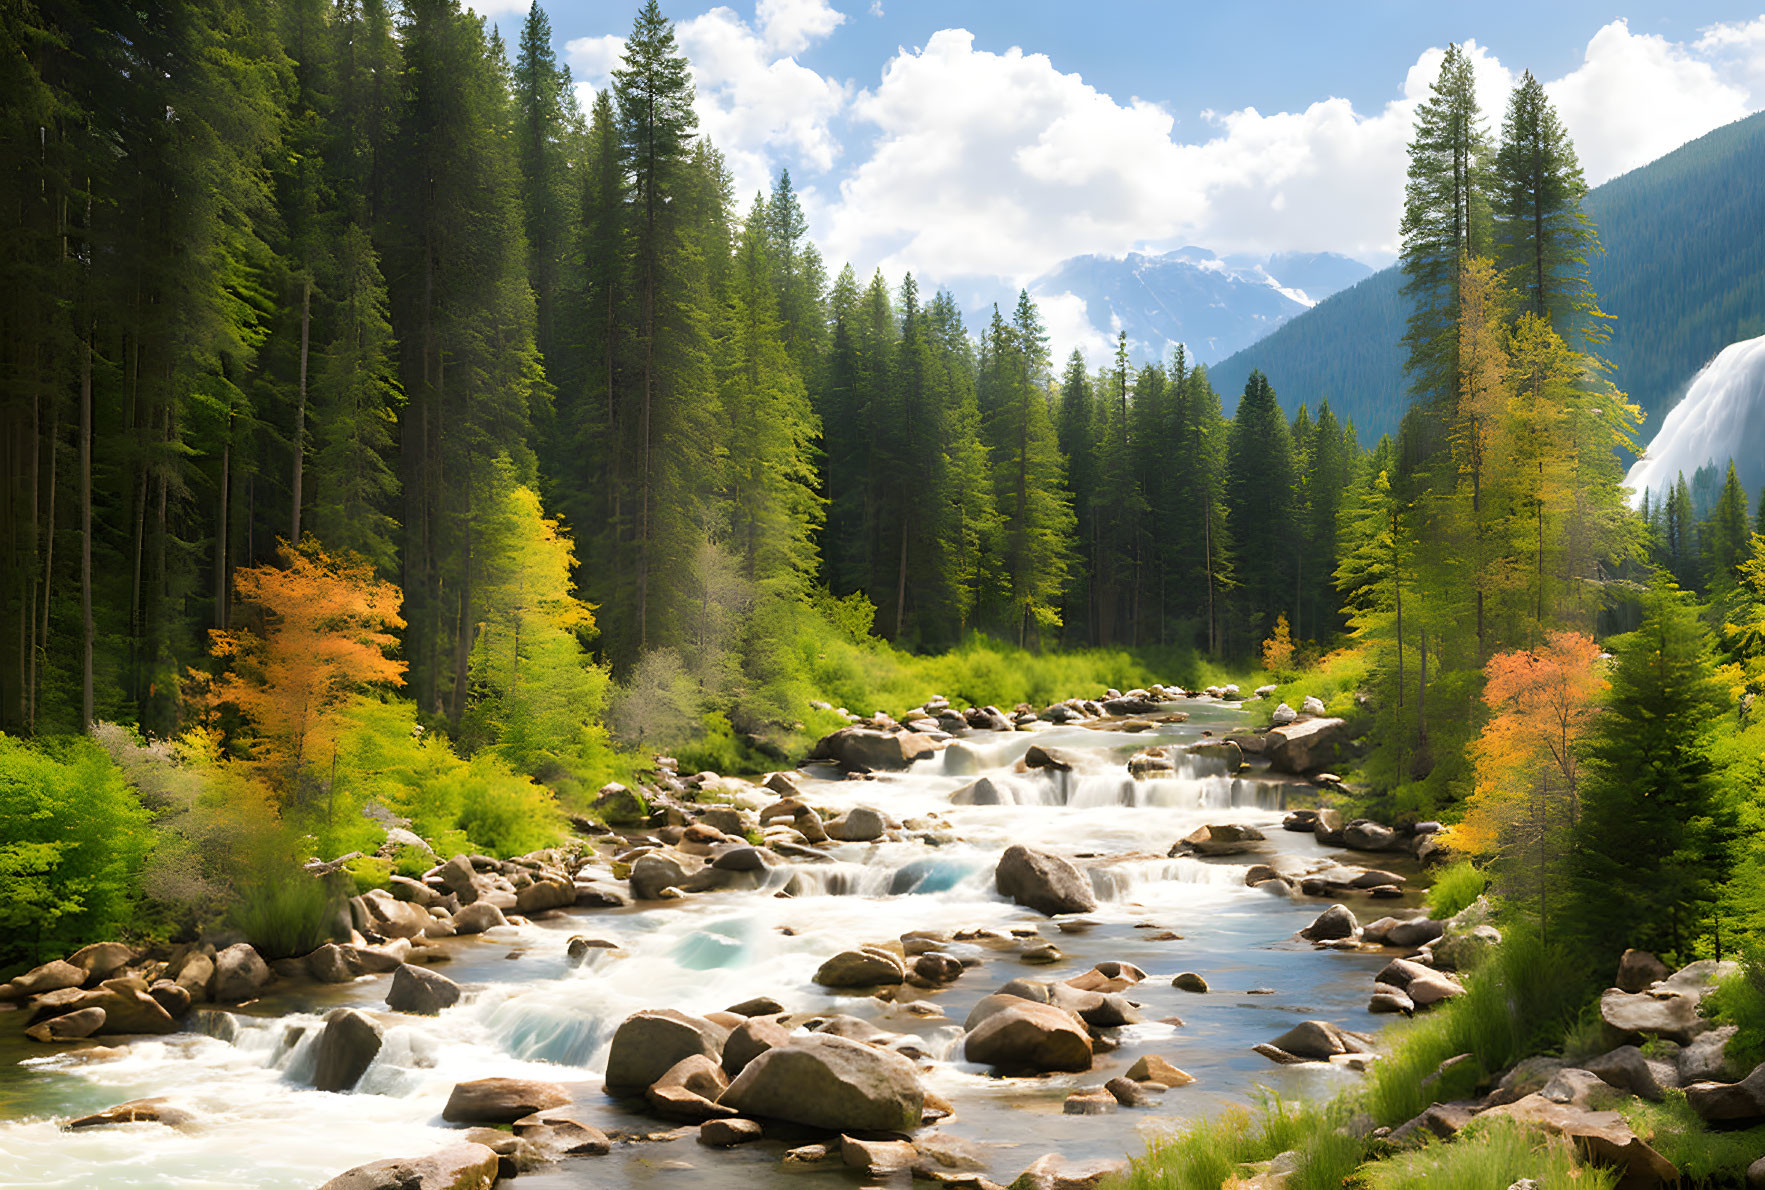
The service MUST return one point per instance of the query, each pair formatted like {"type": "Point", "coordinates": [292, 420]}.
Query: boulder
{"type": "Point", "coordinates": [618, 806]}
{"type": "Point", "coordinates": [1637, 969]}
{"type": "Point", "coordinates": [1338, 921]}
{"type": "Point", "coordinates": [467, 1166]}
{"type": "Point", "coordinates": [136, 1111]}
{"type": "Point", "coordinates": [865, 967]}
{"type": "Point", "coordinates": [1027, 1037]}
{"type": "Point", "coordinates": [866, 749]}
{"type": "Point", "coordinates": [1044, 882]}
{"type": "Point", "coordinates": [1730, 1103]}
{"type": "Point", "coordinates": [1308, 745]}
{"type": "Point", "coordinates": [821, 1081]}
{"type": "Point", "coordinates": [392, 917]}
{"type": "Point", "coordinates": [1706, 1059]}
{"type": "Point", "coordinates": [1054, 1172]}
{"type": "Point", "coordinates": [648, 1044]}
{"type": "Point", "coordinates": [1283, 715]}
{"type": "Point", "coordinates": [101, 960]}
{"type": "Point", "coordinates": [1151, 1068]}
{"type": "Point", "coordinates": [1418, 932]}
{"type": "Point", "coordinates": [689, 1090]}
{"type": "Point", "coordinates": [421, 991]}
{"type": "Point", "coordinates": [1627, 1069]}
{"type": "Point", "coordinates": [726, 1134]}
{"type": "Point", "coordinates": [1318, 1041]}
{"type": "Point", "coordinates": [861, 824]}
{"type": "Point", "coordinates": [1601, 1136]}
{"type": "Point", "coordinates": [1365, 835]}
{"type": "Point", "coordinates": [548, 892]}
{"type": "Point", "coordinates": [128, 1008]}
{"type": "Point", "coordinates": [1219, 840]}
{"type": "Point", "coordinates": [239, 974]}
{"type": "Point", "coordinates": [660, 870]}
{"type": "Point", "coordinates": [50, 977]}
{"type": "Point", "coordinates": [501, 1100]}
{"type": "Point", "coordinates": [1058, 759]}
{"type": "Point", "coordinates": [749, 1040]}
{"type": "Point", "coordinates": [1326, 827]}
{"type": "Point", "coordinates": [70, 1026]}
{"type": "Point", "coordinates": [936, 968]}
{"type": "Point", "coordinates": [169, 996]}
{"type": "Point", "coordinates": [332, 963]}
{"type": "Point", "coordinates": [1228, 751]}
{"type": "Point", "coordinates": [1188, 981]}
{"type": "Point", "coordinates": [345, 1049]}
{"type": "Point", "coordinates": [983, 792]}
{"type": "Point", "coordinates": [478, 917]}
{"type": "Point", "coordinates": [1633, 1015]}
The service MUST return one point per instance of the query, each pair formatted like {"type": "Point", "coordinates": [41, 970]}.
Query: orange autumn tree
{"type": "Point", "coordinates": [317, 630]}
{"type": "Point", "coordinates": [1527, 759]}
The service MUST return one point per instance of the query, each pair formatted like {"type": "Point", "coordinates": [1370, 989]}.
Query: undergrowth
{"type": "Point", "coordinates": [1489, 1155]}
{"type": "Point", "coordinates": [1455, 888]}
{"type": "Point", "coordinates": [1704, 1157]}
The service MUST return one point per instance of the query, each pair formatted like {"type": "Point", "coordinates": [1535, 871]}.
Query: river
{"type": "Point", "coordinates": [529, 1013]}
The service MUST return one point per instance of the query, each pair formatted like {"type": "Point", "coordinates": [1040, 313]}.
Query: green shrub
{"type": "Point", "coordinates": [1489, 1155]}
{"type": "Point", "coordinates": [285, 913]}
{"type": "Point", "coordinates": [1455, 889]}
{"type": "Point", "coordinates": [717, 748]}
{"type": "Point", "coordinates": [1739, 1000]}
{"type": "Point", "coordinates": [411, 861]}
{"type": "Point", "coordinates": [369, 872]}
{"type": "Point", "coordinates": [73, 838]}
{"type": "Point", "coordinates": [1211, 1151]}
{"type": "Point", "coordinates": [1704, 1157]}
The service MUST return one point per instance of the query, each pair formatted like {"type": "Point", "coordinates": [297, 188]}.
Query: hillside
{"type": "Point", "coordinates": [1682, 274]}
{"type": "Point", "coordinates": [1215, 305]}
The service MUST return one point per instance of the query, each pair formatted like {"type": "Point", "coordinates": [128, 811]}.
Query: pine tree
{"type": "Point", "coordinates": [1724, 538]}
{"type": "Point", "coordinates": [1259, 508]}
{"type": "Point", "coordinates": [547, 125]}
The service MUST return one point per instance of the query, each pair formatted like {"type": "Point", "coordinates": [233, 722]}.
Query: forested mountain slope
{"type": "Point", "coordinates": [1682, 274]}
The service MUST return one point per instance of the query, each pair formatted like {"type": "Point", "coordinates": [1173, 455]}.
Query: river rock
{"type": "Point", "coordinates": [617, 805]}
{"type": "Point", "coordinates": [1366, 835]}
{"type": "Point", "coordinates": [70, 1026]}
{"type": "Point", "coordinates": [101, 960]}
{"type": "Point", "coordinates": [1602, 1137]}
{"type": "Point", "coordinates": [392, 917]}
{"type": "Point", "coordinates": [171, 997]}
{"type": "Point", "coordinates": [414, 891]}
{"type": "Point", "coordinates": [1228, 751]}
{"type": "Point", "coordinates": [877, 1158]}
{"type": "Point", "coordinates": [1637, 969]}
{"type": "Point", "coordinates": [467, 1166]}
{"type": "Point", "coordinates": [1318, 1041]}
{"type": "Point", "coordinates": [136, 1111]}
{"type": "Point", "coordinates": [1057, 759]}
{"type": "Point", "coordinates": [1418, 932]}
{"type": "Point", "coordinates": [865, 967]}
{"type": "Point", "coordinates": [1326, 827]}
{"type": "Point", "coordinates": [758, 1006]}
{"type": "Point", "coordinates": [128, 1008]}
{"type": "Point", "coordinates": [345, 1049]}
{"type": "Point", "coordinates": [1043, 882]}
{"type": "Point", "coordinates": [478, 917]}
{"type": "Point", "coordinates": [50, 977]}
{"type": "Point", "coordinates": [195, 974]}
{"type": "Point", "coordinates": [501, 1100]}
{"type": "Point", "coordinates": [865, 749]}
{"type": "Point", "coordinates": [239, 974]}
{"type": "Point", "coordinates": [983, 792]}
{"type": "Point", "coordinates": [689, 1090]}
{"type": "Point", "coordinates": [1054, 1172]}
{"type": "Point", "coordinates": [935, 969]}
{"type": "Point", "coordinates": [548, 892]}
{"type": "Point", "coordinates": [421, 991]}
{"type": "Point", "coordinates": [829, 1082]}
{"type": "Point", "coordinates": [1188, 981]}
{"type": "Point", "coordinates": [648, 1044]}
{"type": "Point", "coordinates": [660, 870]}
{"type": "Point", "coordinates": [749, 1040]}
{"type": "Point", "coordinates": [1308, 745]}
{"type": "Point", "coordinates": [1219, 840]}
{"type": "Point", "coordinates": [726, 1134]}
{"type": "Point", "coordinates": [1029, 1037]}
{"type": "Point", "coordinates": [861, 824]}
{"type": "Point", "coordinates": [332, 963]}
{"type": "Point", "coordinates": [1150, 1068]}
{"type": "Point", "coordinates": [1338, 921]}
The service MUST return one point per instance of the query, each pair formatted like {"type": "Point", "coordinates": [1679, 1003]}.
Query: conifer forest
{"type": "Point", "coordinates": [437, 503]}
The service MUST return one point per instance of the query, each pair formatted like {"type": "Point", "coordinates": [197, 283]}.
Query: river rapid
{"type": "Point", "coordinates": [529, 1013]}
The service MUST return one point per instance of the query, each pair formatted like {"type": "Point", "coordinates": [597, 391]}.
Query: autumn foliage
{"type": "Point", "coordinates": [315, 631]}
{"type": "Point", "coordinates": [1277, 651]}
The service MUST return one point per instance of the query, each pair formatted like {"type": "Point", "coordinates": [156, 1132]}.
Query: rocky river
{"type": "Point", "coordinates": [1169, 964]}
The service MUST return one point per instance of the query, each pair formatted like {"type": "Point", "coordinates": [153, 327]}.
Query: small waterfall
{"type": "Point", "coordinates": [1721, 416]}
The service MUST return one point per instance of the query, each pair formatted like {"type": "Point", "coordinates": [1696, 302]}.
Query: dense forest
{"type": "Point", "coordinates": [385, 429]}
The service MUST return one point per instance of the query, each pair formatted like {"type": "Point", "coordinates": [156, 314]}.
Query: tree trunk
{"type": "Point", "coordinates": [299, 443]}
{"type": "Point", "coordinates": [221, 525]}
{"type": "Point", "coordinates": [86, 629]}
{"type": "Point", "coordinates": [48, 550]}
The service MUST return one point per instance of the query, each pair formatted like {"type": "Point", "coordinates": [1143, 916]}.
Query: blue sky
{"type": "Point", "coordinates": [980, 143]}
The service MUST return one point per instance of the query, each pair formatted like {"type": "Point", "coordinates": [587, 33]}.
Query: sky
{"type": "Point", "coordinates": [980, 142]}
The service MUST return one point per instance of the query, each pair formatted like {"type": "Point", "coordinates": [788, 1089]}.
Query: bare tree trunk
{"type": "Point", "coordinates": [901, 583]}
{"type": "Point", "coordinates": [221, 524]}
{"type": "Point", "coordinates": [48, 551]}
{"type": "Point", "coordinates": [299, 444]}
{"type": "Point", "coordinates": [86, 535]}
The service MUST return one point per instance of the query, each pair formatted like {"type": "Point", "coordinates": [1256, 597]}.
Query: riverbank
{"type": "Point", "coordinates": [542, 998]}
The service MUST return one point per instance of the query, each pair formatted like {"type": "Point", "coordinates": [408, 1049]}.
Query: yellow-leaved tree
{"type": "Point", "coordinates": [1527, 760]}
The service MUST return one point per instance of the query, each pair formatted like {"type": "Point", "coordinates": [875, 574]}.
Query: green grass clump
{"type": "Point", "coordinates": [1455, 889]}
{"type": "Point", "coordinates": [1704, 1157]}
{"type": "Point", "coordinates": [369, 872]}
{"type": "Point", "coordinates": [1739, 1000]}
{"type": "Point", "coordinates": [284, 914]}
{"type": "Point", "coordinates": [1213, 1150]}
{"type": "Point", "coordinates": [1489, 1155]}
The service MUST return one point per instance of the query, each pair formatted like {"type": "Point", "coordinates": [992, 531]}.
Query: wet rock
{"type": "Point", "coordinates": [1338, 921]}
{"type": "Point", "coordinates": [332, 963]}
{"type": "Point", "coordinates": [1057, 759]}
{"type": "Point", "coordinates": [1054, 1172]}
{"type": "Point", "coordinates": [866, 749]}
{"type": "Point", "coordinates": [1228, 751]}
{"type": "Point", "coordinates": [1188, 981]}
{"type": "Point", "coordinates": [865, 967]}
{"type": "Point", "coordinates": [1042, 954]}
{"type": "Point", "coordinates": [689, 1090]}
{"type": "Point", "coordinates": [657, 871]}
{"type": "Point", "coordinates": [980, 793]}
{"type": "Point", "coordinates": [348, 1045]}
{"type": "Point", "coordinates": [937, 968]}
{"type": "Point", "coordinates": [545, 893]}
{"type": "Point", "coordinates": [861, 824]}
{"type": "Point", "coordinates": [749, 1040]}
{"type": "Point", "coordinates": [68, 1027]}
{"type": "Point", "coordinates": [1388, 999]}
{"type": "Point", "coordinates": [50, 977]}
{"type": "Point", "coordinates": [1150, 1068]}
{"type": "Point", "coordinates": [727, 1134]}
{"type": "Point", "coordinates": [239, 974]}
{"type": "Point", "coordinates": [478, 917]}
{"type": "Point", "coordinates": [1601, 1136]}
{"type": "Point", "coordinates": [1108, 976]}
{"type": "Point", "coordinates": [128, 1008]}
{"type": "Point", "coordinates": [1365, 835]}
{"type": "Point", "coordinates": [101, 960]}
{"type": "Point", "coordinates": [1095, 1102]}
{"type": "Point", "coordinates": [558, 1132]}
{"type": "Point", "coordinates": [649, 1043]}
{"type": "Point", "coordinates": [1318, 1041]}
{"type": "Point", "coordinates": [391, 917]}
{"type": "Point", "coordinates": [1413, 933]}
{"type": "Point", "coordinates": [465, 1166]}
{"type": "Point", "coordinates": [1029, 1037]}
{"type": "Point", "coordinates": [1327, 827]}
{"type": "Point", "coordinates": [1637, 969]}
{"type": "Point", "coordinates": [501, 1100]}
{"type": "Point", "coordinates": [169, 996]}
{"type": "Point", "coordinates": [830, 1082]}
{"type": "Point", "coordinates": [758, 1006]}
{"type": "Point", "coordinates": [1043, 882]}
{"type": "Point", "coordinates": [421, 991]}
{"type": "Point", "coordinates": [1308, 745]}
{"type": "Point", "coordinates": [877, 1158]}
{"type": "Point", "coordinates": [1300, 821]}
{"type": "Point", "coordinates": [1129, 1093]}
{"type": "Point", "coordinates": [136, 1111]}
{"type": "Point", "coordinates": [1219, 840]}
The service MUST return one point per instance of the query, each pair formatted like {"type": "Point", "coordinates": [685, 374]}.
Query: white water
{"type": "Point", "coordinates": [1721, 416]}
{"type": "Point", "coordinates": [533, 1015]}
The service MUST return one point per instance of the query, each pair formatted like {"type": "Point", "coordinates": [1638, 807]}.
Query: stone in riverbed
{"type": "Point", "coordinates": [648, 1044]}
{"type": "Point", "coordinates": [749, 1040]}
{"type": "Point", "coordinates": [501, 1100]}
{"type": "Point", "coordinates": [1188, 981]}
{"type": "Point", "coordinates": [1337, 921]}
{"type": "Point", "coordinates": [478, 917]}
{"type": "Point", "coordinates": [865, 967]}
{"type": "Point", "coordinates": [345, 1049]}
{"type": "Point", "coordinates": [135, 1111]}
{"type": "Point", "coordinates": [1224, 839]}
{"type": "Point", "coordinates": [726, 1134]}
{"type": "Point", "coordinates": [660, 870]}
{"type": "Point", "coordinates": [1153, 1069]}
{"type": "Point", "coordinates": [1318, 1041]}
{"type": "Point", "coordinates": [1054, 1172]}
{"type": "Point", "coordinates": [689, 1090]}
{"type": "Point", "coordinates": [466, 1166]}
{"type": "Point", "coordinates": [101, 960]}
{"type": "Point", "coordinates": [74, 1025]}
{"type": "Point", "coordinates": [1129, 1093]}
{"type": "Point", "coordinates": [822, 1081]}
{"type": "Point", "coordinates": [1058, 759]}
{"type": "Point", "coordinates": [1029, 1037]}
{"type": "Point", "coordinates": [1043, 882]}
{"type": "Point", "coordinates": [239, 974]}
{"type": "Point", "coordinates": [421, 991]}
{"type": "Point", "coordinates": [1308, 745]}
{"type": "Point", "coordinates": [979, 793]}
{"type": "Point", "coordinates": [50, 977]}
{"type": "Point", "coordinates": [865, 748]}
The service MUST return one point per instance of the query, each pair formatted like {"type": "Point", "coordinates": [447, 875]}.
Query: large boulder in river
{"type": "Point", "coordinates": [865, 967]}
{"type": "Point", "coordinates": [421, 991]}
{"type": "Point", "coordinates": [501, 1100]}
{"type": "Point", "coordinates": [101, 960]}
{"type": "Point", "coordinates": [458, 1167]}
{"type": "Point", "coordinates": [982, 792]}
{"type": "Point", "coordinates": [128, 1008]}
{"type": "Point", "coordinates": [1308, 745]}
{"type": "Point", "coordinates": [1059, 759]}
{"type": "Point", "coordinates": [1224, 839]}
{"type": "Point", "coordinates": [1043, 882]}
{"type": "Point", "coordinates": [823, 1081]}
{"type": "Point", "coordinates": [865, 748]}
{"type": "Point", "coordinates": [1027, 1037]}
{"type": "Point", "coordinates": [69, 1027]}
{"type": "Point", "coordinates": [346, 1048]}
{"type": "Point", "coordinates": [658, 871]}
{"type": "Point", "coordinates": [239, 973]}
{"type": "Point", "coordinates": [648, 1044]}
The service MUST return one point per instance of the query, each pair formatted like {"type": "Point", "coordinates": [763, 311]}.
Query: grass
{"type": "Point", "coordinates": [1213, 1150]}
{"type": "Point", "coordinates": [1740, 1001]}
{"type": "Point", "coordinates": [1489, 1155]}
{"type": "Point", "coordinates": [1704, 1157]}
{"type": "Point", "coordinates": [1455, 889]}
{"type": "Point", "coordinates": [285, 914]}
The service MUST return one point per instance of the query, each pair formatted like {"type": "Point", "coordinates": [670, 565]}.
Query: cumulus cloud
{"type": "Point", "coordinates": [1000, 164]}
{"type": "Point", "coordinates": [1070, 327]}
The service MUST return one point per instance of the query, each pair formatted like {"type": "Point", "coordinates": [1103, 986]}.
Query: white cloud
{"type": "Point", "coordinates": [756, 103]}
{"type": "Point", "coordinates": [1637, 96]}
{"type": "Point", "coordinates": [491, 9]}
{"type": "Point", "coordinates": [1069, 326]}
{"type": "Point", "coordinates": [1000, 164]}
